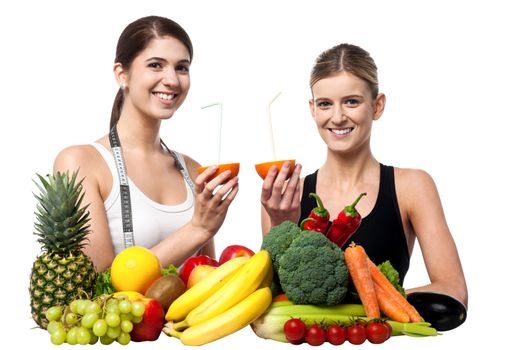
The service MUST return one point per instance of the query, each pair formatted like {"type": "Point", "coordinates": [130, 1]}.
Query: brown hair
{"type": "Point", "coordinates": [346, 58]}
{"type": "Point", "coordinates": [134, 38]}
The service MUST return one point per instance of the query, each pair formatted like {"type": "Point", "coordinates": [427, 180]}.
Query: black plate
{"type": "Point", "coordinates": [442, 311]}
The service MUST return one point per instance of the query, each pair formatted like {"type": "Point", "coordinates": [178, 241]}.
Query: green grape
{"type": "Point", "coordinates": [112, 319]}
{"type": "Point", "coordinates": [54, 313]}
{"type": "Point", "coordinates": [105, 340]}
{"type": "Point", "coordinates": [58, 336]}
{"type": "Point", "coordinates": [125, 306]}
{"type": "Point", "coordinates": [136, 319]}
{"type": "Point", "coordinates": [137, 308]}
{"type": "Point", "coordinates": [82, 305]}
{"type": "Point", "coordinates": [71, 318]}
{"type": "Point", "coordinates": [100, 327]}
{"type": "Point", "coordinates": [112, 301]}
{"type": "Point", "coordinates": [73, 306]}
{"type": "Point", "coordinates": [113, 309]}
{"type": "Point", "coordinates": [93, 338]}
{"type": "Point", "coordinates": [53, 326]}
{"type": "Point", "coordinates": [123, 338]}
{"type": "Point", "coordinates": [126, 317]}
{"type": "Point", "coordinates": [113, 332]}
{"type": "Point", "coordinates": [71, 337]}
{"type": "Point", "coordinates": [83, 336]}
{"type": "Point", "coordinates": [126, 326]}
{"type": "Point", "coordinates": [88, 320]}
{"type": "Point", "coordinates": [93, 308]}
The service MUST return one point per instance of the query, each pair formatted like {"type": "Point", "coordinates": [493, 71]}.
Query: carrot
{"type": "Point", "coordinates": [356, 261]}
{"type": "Point", "coordinates": [382, 281]}
{"type": "Point", "coordinates": [389, 306]}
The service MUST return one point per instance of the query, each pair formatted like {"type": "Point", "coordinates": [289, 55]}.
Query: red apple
{"type": "Point", "coordinates": [192, 262]}
{"type": "Point", "coordinates": [234, 251]}
{"type": "Point", "coordinates": [152, 321]}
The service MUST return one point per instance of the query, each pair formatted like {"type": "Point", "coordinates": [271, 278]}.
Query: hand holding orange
{"type": "Point", "coordinates": [263, 168]}
{"type": "Point", "coordinates": [233, 167]}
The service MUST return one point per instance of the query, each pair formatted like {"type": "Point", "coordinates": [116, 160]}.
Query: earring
{"type": "Point", "coordinates": [123, 86]}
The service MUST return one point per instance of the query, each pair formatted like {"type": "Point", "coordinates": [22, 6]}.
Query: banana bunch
{"type": "Point", "coordinates": [231, 297]}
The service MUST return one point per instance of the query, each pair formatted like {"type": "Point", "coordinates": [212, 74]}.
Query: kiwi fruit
{"type": "Point", "coordinates": [166, 289]}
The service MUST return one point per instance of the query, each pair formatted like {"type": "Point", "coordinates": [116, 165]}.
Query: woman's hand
{"type": "Point", "coordinates": [213, 199]}
{"type": "Point", "coordinates": [281, 197]}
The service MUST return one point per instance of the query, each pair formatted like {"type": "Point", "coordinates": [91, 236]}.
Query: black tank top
{"type": "Point", "coordinates": [381, 233]}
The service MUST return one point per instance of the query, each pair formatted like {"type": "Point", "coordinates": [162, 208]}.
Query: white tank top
{"type": "Point", "coordinates": [152, 221]}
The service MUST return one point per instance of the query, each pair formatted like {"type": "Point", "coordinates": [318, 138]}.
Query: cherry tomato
{"type": "Point", "coordinates": [336, 335]}
{"type": "Point", "coordinates": [356, 334]}
{"type": "Point", "coordinates": [294, 330]}
{"type": "Point", "coordinates": [315, 335]}
{"type": "Point", "coordinates": [377, 332]}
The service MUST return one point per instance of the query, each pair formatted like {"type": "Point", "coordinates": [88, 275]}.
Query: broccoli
{"type": "Point", "coordinates": [313, 271]}
{"type": "Point", "coordinates": [278, 239]}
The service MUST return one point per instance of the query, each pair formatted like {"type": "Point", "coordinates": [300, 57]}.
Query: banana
{"type": "Point", "coordinates": [203, 289]}
{"type": "Point", "coordinates": [267, 281]}
{"type": "Point", "coordinates": [245, 281]}
{"type": "Point", "coordinates": [228, 322]}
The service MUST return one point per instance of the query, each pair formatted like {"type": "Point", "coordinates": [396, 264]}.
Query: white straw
{"type": "Point", "coordinates": [271, 130]}
{"type": "Point", "coordinates": [220, 124]}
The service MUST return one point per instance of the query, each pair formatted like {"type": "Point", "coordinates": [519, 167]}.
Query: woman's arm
{"type": "Point", "coordinates": [85, 159]}
{"type": "Point", "coordinates": [426, 217]}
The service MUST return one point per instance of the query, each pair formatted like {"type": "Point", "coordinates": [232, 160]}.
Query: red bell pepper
{"type": "Point", "coordinates": [346, 224]}
{"type": "Point", "coordinates": [318, 219]}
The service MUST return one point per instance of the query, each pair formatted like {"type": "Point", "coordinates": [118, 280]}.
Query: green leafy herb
{"type": "Point", "coordinates": [392, 275]}
{"type": "Point", "coordinates": [103, 283]}
{"type": "Point", "coordinates": [169, 270]}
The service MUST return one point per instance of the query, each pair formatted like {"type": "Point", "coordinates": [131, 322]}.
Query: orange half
{"type": "Point", "coordinates": [263, 168]}
{"type": "Point", "coordinates": [233, 167]}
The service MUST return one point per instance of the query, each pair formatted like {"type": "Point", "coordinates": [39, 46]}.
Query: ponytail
{"type": "Point", "coordinates": [117, 108]}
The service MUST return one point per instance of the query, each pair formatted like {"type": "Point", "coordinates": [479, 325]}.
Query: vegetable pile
{"type": "Point", "coordinates": [271, 324]}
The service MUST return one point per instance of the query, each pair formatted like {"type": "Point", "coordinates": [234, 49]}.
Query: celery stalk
{"type": "Point", "coordinates": [292, 309]}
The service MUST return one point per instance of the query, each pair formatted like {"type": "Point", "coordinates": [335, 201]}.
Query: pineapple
{"type": "Point", "coordinates": [62, 273]}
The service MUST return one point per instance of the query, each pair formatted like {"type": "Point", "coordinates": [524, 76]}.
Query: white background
{"type": "Point", "coordinates": [453, 73]}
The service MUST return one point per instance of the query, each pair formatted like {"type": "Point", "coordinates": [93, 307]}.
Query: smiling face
{"type": "Point", "coordinates": [344, 110]}
{"type": "Point", "coordinates": [158, 79]}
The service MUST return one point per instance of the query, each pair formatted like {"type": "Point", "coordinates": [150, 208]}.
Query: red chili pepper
{"type": "Point", "coordinates": [346, 224]}
{"type": "Point", "coordinates": [318, 219]}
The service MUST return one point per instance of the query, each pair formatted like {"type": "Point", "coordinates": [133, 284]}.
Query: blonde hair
{"type": "Point", "coordinates": [346, 58]}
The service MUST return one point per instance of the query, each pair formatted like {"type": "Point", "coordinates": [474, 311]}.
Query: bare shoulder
{"type": "Point", "coordinates": [73, 157]}
{"type": "Point", "coordinates": [413, 179]}
{"type": "Point", "coordinates": [415, 188]}
{"type": "Point", "coordinates": [84, 158]}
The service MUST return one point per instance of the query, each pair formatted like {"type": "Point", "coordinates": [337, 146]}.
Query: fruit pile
{"type": "Point", "coordinates": [229, 298]}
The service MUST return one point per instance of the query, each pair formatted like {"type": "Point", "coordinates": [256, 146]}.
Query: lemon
{"type": "Point", "coordinates": [132, 295]}
{"type": "Point", "coordinates": [135, 269]}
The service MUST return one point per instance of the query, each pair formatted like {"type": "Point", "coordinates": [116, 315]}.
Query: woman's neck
{"type": "Point", "coordinates": [346, 171]}
{"type": "Point", "coordinates": [139, 134]}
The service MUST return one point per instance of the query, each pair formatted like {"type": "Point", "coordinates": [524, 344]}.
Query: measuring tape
{"type": "Point", "coordinates": [126, 210]}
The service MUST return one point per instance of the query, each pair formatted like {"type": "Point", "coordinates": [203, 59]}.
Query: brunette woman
{"type": "Point", "coordinates": [139, 191]}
